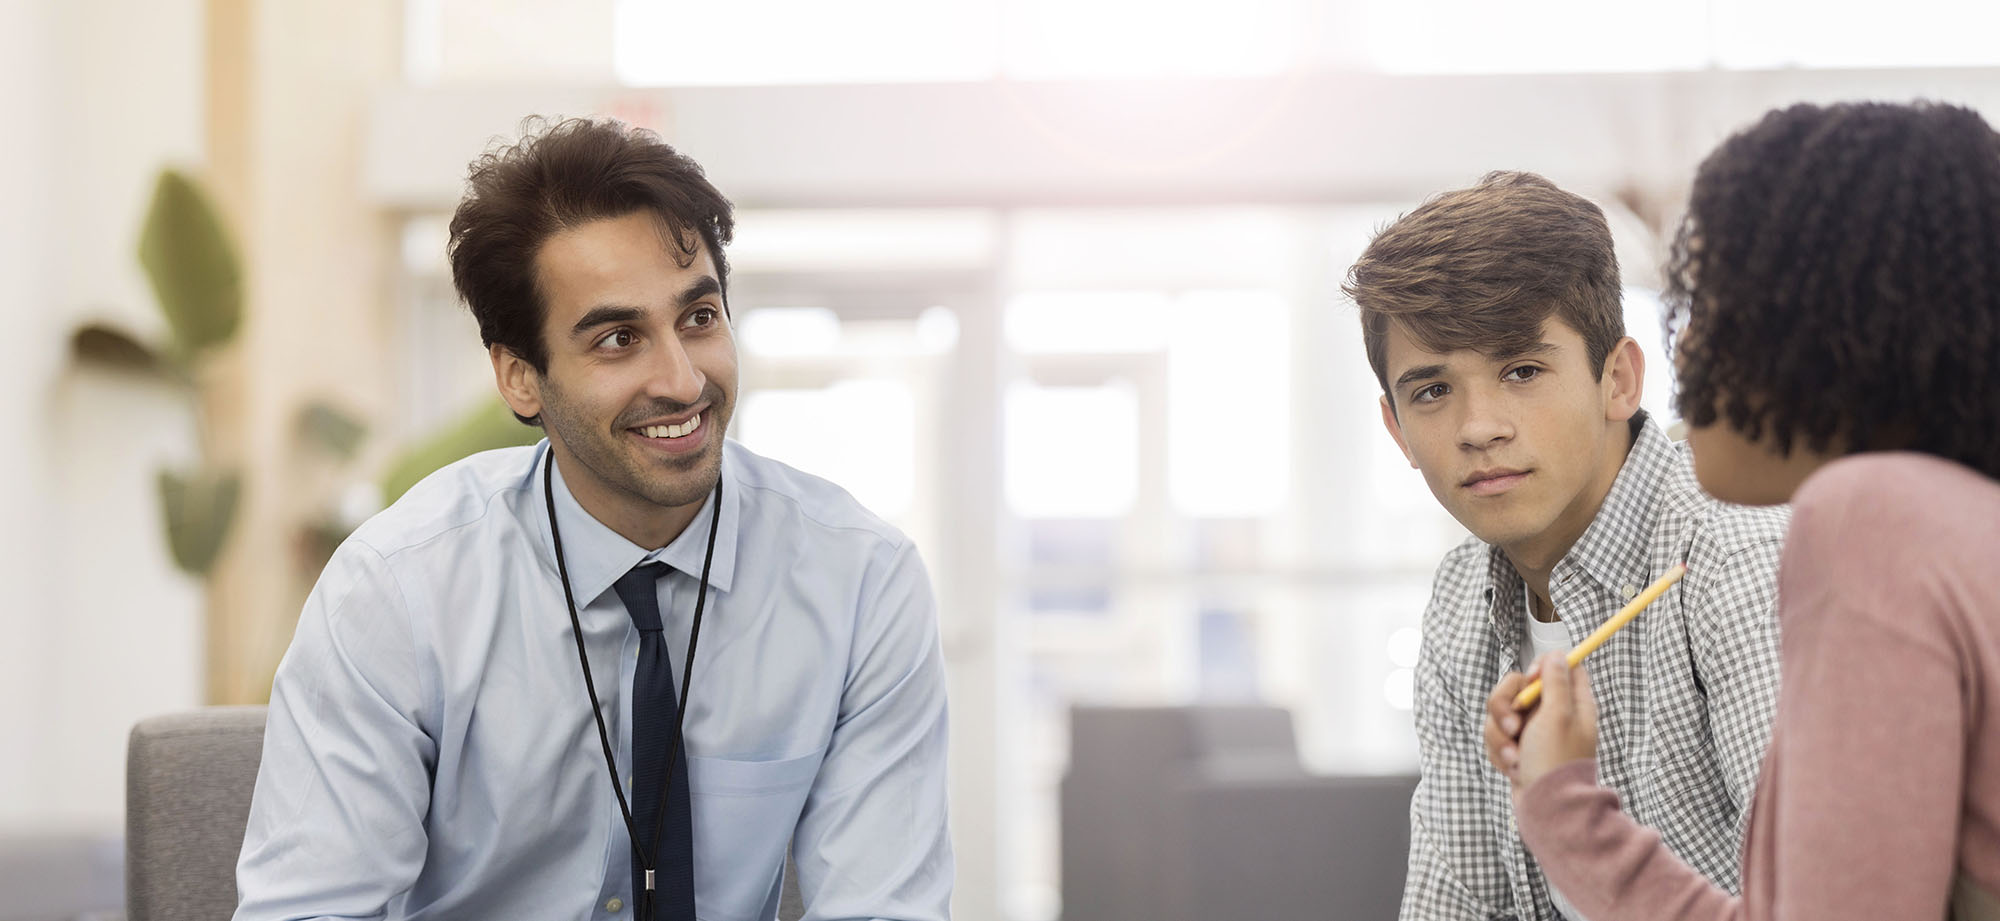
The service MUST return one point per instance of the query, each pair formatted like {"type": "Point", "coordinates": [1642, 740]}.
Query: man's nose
{"type": "Point", "coordinates": [673, 374]}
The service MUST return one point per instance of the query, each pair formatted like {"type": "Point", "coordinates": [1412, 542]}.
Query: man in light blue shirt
{"type": "Point", "coordinates": [432, 750]}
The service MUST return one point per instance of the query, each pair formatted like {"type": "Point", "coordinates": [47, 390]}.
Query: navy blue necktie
{"type": "Point", "coordinates": [654, 710]}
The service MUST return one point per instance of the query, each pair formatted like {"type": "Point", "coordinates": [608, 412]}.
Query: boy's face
{"type": "Point", "coordinates": [1523, 448]}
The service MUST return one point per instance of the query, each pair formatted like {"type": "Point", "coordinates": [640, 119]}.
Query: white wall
{"type": "Point", "coordinates": [98, 629]}
{"type": "Point", "coordinates": [1312, 137]}
{"type": "Point", "coordinates": [26, 81]}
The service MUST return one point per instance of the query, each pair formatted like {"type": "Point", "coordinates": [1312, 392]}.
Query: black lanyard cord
{"type": "Point", "coordinates": [648, 856]}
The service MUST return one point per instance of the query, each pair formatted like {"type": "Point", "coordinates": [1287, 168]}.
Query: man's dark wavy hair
{"type": "Point", "coordinates": [1837, 278]}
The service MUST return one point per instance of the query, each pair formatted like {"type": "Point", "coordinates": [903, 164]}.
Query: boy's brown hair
{"type": "Point", "coordinates": [1482, 268]}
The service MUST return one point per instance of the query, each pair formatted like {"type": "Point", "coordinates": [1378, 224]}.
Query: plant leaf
{"type": "Point", "coordinates": [490, 425]}
{"type": "Point", "coordinates": [192, 264]}
{"type": "Point", "coordinates": [101, 345]}
{"type": "Point", "coordinates": [330, 430]}
{"type": "Point", "coordinates": [199, 509]}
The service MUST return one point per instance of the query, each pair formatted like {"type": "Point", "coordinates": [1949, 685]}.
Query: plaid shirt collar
{"type": "Point", "coordinates": [1612, 552]}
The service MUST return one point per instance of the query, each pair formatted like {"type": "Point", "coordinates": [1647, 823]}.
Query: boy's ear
{"type": "Point", "coordinates": [1623, 380]}
{"type": "Point", "coordinates": [1395, 427]}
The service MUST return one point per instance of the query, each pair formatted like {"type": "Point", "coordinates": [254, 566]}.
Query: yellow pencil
{"type": "Point", "coordinates": [1533, 692]}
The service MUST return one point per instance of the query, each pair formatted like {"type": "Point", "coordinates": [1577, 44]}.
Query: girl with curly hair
{"type": "Point", "coordinates": [1835, 289]}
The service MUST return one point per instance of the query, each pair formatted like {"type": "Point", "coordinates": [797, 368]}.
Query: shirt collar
{"type": "Point", "coordinates": [1503, 595]}
{"type": "Point", "coordinates": [597, 556]}
{"type": "Point", "coordinates": [1613, 550]}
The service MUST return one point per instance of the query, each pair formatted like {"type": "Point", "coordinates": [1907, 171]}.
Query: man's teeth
{"type": "Point", "coordinates": [672, 431]}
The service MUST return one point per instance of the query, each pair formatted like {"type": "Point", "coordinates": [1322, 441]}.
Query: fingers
{"type": "Point", "coordinates": [1502, 754]}
{"type": "Point", "coordinates": [1564, 729]}
{"type": "Point", "coordinates": [1586, 702]}
{"type": "Point", "coordinates": [1501, 751]}
{"type": "Point", "coordinates": [1558, 690]}
{"type": "Point", "coordinates": [1502, 726]}
{"type": "Point", "coordinates": [1500, 704]}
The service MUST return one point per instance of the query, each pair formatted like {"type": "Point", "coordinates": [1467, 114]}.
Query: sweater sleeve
{"type": "Point", "coordinates": [1609, 866]}
{"type": "Point", "coordinates": [1858, 805]}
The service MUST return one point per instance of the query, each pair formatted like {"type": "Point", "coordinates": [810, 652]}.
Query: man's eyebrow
{"type": "Point", "coordinates": [1420, 372]}
{"type": "Point", "coordinates": [605, 315]}
{"type": "Point", "coordinates": [702, 287]}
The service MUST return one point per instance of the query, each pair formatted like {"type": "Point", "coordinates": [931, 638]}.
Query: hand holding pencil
{"type": "Point", "coordinates": [1524, 745]}
{"type": "Point", "coordinates": [1533, 691]}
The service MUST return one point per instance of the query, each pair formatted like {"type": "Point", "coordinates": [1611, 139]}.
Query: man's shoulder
{"type": "Point", "coordinates": [1465, 572]}
{"type": "Point", "coordinates": [822, 510]}
{"type": "Point", "coordinates": [453, 500]}
{"type": "Point", "coordinates": [1460, 593]}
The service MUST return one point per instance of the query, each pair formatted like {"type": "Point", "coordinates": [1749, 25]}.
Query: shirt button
{"type": "Point", "coordinates": [614, 905]}
{"type": "Point", "coordinates": [1628, 590]}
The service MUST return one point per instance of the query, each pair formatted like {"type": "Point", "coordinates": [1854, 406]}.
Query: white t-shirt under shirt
{"type": "Point", "coordinates": [1545, 638]}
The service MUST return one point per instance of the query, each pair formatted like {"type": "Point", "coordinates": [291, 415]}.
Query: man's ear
{"type": "Point", "coordinates": [519, 383]}
{"type": "Point", "coordinates": [1624, 380]}
{"type": "Point", "coordinates": [1395, 427]}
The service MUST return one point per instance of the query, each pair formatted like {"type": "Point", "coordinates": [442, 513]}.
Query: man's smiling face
{"type": "Point", "coordinates": [641, 376]}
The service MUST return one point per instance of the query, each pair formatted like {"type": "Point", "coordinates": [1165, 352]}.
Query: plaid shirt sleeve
{"type": "Point", "coordinates": [1732, 632]}
{"type": "Point", "coordinates": [1452, 859]}
{"type": "Point", "coordinates": [1430, 891]}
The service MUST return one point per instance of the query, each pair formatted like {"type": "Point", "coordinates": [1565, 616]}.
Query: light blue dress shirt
{"type": "Point", "coordinates": [430, 751]}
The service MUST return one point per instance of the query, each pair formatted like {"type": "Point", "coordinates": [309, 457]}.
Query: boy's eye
{"type": "Point", "coordinates": [703, 316]}
{"type": "Point", "coordinates": [1429, 394]}
{"type": "Point", "coordinates": [1521, 373]}
{"type": "Point", "coordinates": [618, 338]}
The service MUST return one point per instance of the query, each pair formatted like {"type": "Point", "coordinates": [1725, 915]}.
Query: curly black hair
{"type": "Point", "coordinates": [1839, 273]}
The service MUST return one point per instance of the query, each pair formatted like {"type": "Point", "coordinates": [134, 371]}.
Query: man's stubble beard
{"type": "Point", "coordinates": [616, 466]}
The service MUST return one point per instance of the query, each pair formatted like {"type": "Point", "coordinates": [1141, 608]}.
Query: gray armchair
{"type": "Point", "coordinates": [188, 778]}
{"type": "Point", "coordinates": [1194, 813]}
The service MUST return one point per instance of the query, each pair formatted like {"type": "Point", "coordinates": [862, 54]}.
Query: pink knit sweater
{"type": "Point", "coordinates": [1882, 780]}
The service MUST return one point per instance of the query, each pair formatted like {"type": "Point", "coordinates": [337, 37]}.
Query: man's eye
{"type": "Point", "coordinates": [1521, 373]}
{"type": "Point", "coordinates": [618, 339]}
{"type": "Point", "coordinates": [1431, 394]}
{"type": "Point", "coordinates": [704, 316]}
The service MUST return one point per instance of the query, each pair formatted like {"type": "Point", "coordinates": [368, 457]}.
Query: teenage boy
{"type": "Point", "coordinates": [1492, 319]}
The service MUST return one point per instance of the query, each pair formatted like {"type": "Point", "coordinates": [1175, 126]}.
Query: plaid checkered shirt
{"type": "Point", "coordinates": [1685, 693]}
